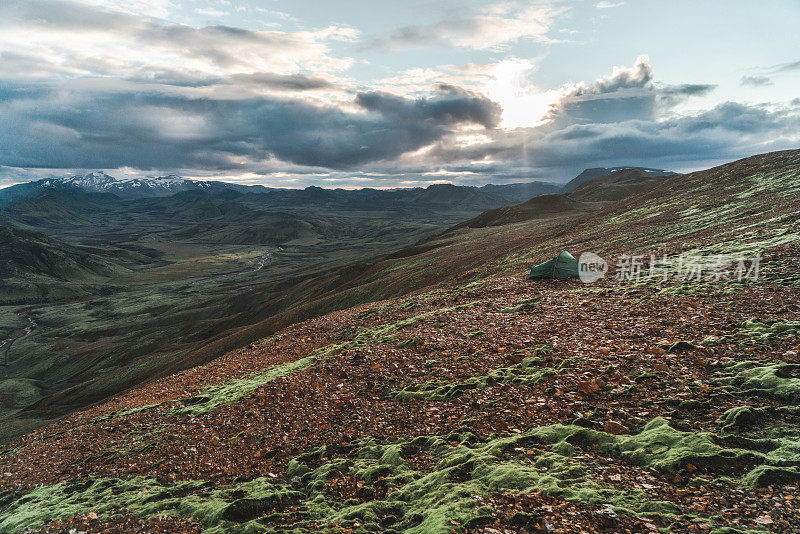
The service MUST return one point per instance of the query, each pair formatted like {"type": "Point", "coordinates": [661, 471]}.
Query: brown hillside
{"type": "Point", "coordinates": [472, 400]}
{"type": "Point", "coordinates": [539, 207]}
{"type": "Point", "coordinates": [616, 186]}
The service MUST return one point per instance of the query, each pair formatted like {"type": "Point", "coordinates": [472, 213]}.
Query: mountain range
{"type": "Point", "coordinates": [164, 186]}
{"type": "Point", "coordinates": [131, 188]}
{"type": "Point", "coordinates": [435, 196]}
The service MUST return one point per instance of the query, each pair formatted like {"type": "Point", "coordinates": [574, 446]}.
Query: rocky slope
{"type": "Point", "coordinates": [477, 401]}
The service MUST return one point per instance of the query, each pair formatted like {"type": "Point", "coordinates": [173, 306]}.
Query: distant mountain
{"type": "Point", "coordinates": [100, 182]}
{"type": "Point", "coordinates": [536, 208]}
{"type": "Point", "coordinates": [519, 192]}
{"type": "Point", "coordinates": [617, 185]}
{"type": "Point", "coordinates": [588, 174]}
{"type": "Point", "coordinates": [437, 196]}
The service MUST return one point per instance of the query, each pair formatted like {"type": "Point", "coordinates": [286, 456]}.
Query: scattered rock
{"type": "Point", "coordinates": [615, 427]}
{"type": "Point", "coordinates": [588, 386]}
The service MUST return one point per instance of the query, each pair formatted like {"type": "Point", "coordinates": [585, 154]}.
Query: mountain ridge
{"type": "Point", "coordinates": [596, 172]}
{"type": "Point", "coordinates": [162, 186]}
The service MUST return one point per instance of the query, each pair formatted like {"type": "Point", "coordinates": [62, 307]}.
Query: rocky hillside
{"type": "Point", "coordinates": [473, 400]}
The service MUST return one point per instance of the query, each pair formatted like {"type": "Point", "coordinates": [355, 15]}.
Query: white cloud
{"type": "Point", "coordinates": [501, 25]}
{"type": "Point", "coordinates": [211, 12]}
{"type": "Point", "coordinates": [149, 8]}
{"type": "Point", "coordinates": [608, 5]}
{"type": "Point", "coordinates": [639, 75]}
{"type": "Point", "coordinates": [494, 27]}
{"type": "Point", "coordinates": [83, 40]}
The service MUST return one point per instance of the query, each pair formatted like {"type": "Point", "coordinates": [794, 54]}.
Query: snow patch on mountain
{"type": "Point", "coordinates": [100, 182]}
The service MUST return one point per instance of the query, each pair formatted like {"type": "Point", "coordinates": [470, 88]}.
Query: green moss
{"type": "Point", "coordinates": [226, 509]}
{"type": "Point", "coordinates": [670, 451]}
{"type": "Point", "coordinates": [766, 421]}
{"type": "Point", "coordinates": [662, 447]}
{"type": "Point", "coordinates": [124, 412]}
{"type": "Point", "coordinates": [521, 306]}
{"type": "Point", "coordinates": [210, 398]}
{"type": "Point", "coordinates": [392, 494]}
{"type": "Point", "coordinates": [529, 371]}
{"type": "Point", "coordinates": [769, 475]}
{"type": "Point", "coordinates": [769, 329]}
{"type": "Point", "coordinates": [731, 530]}
{"type": "Point", "coordinates": [712, 341]}
{"type": "Point", "coordinates": [464, 468]}
{"type": "Point", "coordinates": [776, 380]}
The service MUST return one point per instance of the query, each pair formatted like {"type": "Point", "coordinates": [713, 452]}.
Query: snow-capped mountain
{"type": "Point", "coordinates": [100, 182]}
{"type": "Point", "coordinates": [96, 181]}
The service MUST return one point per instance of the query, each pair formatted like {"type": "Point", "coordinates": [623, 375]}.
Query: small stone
{"type": "Point", "coordinates": [615, 427]}
{"type": "Point", "coordinates": [607, 517]}
{"type": "Point", "coordinates": [764, 520]}
{"type": "Point", "coordinates": [588, 386]}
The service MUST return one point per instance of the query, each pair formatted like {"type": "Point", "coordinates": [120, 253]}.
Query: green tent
{"type": "Point", "coordinates": [562, 266]}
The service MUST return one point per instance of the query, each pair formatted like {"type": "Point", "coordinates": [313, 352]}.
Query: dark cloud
{"type": "Point", "coordinates": [671, 95]}
{"type": "Point", "coordinates": [638, 76]}
{"type": "Point", "coordinates": [688, 89]}
{"type": "Point", "coordinates": [725, 132]}
{"type": "Point", "coordinates": [452, 106]}
{"type": "Point", "coordinates": [624, 95]}
{"type": "Point", "coordinates": [149, 130]}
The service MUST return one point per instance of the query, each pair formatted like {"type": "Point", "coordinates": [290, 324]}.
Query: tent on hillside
{"type": "Point", "coordinates": [562, 266]}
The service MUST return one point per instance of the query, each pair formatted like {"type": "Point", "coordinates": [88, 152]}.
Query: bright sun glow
{"type": "Point", "coordinates": [524, 104]}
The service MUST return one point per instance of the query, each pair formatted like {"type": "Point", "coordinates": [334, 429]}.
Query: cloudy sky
{"type": "Point", "coordinates": [356, 93]}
